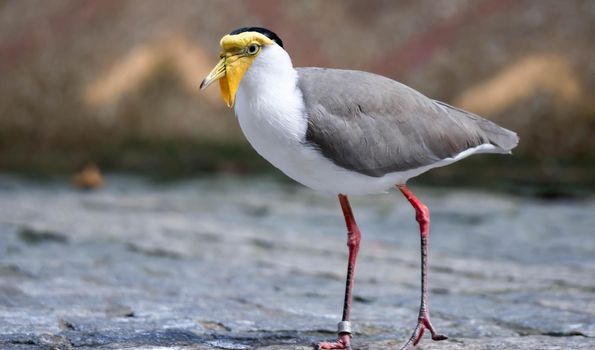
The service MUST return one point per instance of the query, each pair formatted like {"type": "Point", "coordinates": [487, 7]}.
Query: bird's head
{"type": "Point", "coordinates": [239, 49]}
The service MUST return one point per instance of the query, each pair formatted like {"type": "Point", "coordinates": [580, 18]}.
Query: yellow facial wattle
{"type": "Point", "coordinates": [239, 51]}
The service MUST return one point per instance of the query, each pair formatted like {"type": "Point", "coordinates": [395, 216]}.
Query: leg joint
{"type": "Point", "coordinates": [422, 214]}
{"type": "Point", "coordinates": [354, 237]}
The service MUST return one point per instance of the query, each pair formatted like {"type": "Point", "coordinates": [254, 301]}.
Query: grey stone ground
{"type": "Point", "coordinates": [249, 264]}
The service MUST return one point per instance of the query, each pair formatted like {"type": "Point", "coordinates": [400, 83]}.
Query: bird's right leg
{"type": "Point", "coordinates": [353, 240]}
{"type": "Point", "coordinates": [422, 215]}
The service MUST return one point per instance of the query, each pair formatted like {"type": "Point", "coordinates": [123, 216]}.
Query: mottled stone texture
{"type": "Point", "coordinates": [233, 263]}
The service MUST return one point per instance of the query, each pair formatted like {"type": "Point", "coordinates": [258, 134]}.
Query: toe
{"type": "Point", "coordinates": [438, 337]}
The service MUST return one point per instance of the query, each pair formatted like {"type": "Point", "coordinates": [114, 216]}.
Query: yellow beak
{"type": "Point", "coordinates": [217, 73]}
{"type": "Point", "coordinates": [229, 71]}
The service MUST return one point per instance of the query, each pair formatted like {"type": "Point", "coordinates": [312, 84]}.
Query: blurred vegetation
{"type": "Point", "coordinates": [116, 82]}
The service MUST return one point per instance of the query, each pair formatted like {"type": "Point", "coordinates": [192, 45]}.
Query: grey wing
{"type": "Point", "coordinates": [374, 125]}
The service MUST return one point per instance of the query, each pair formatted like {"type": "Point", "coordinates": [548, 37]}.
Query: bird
{"type": "Point", "coordinates": [347, 133]}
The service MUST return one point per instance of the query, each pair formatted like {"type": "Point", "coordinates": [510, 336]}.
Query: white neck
{"type": "Point", "coordinates": [269, 101]}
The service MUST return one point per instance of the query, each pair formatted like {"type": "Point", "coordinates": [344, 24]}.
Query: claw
{"type": "Point", "coordinates": [343, 343]}
{"type": "Point", "coordinates": [422, 324]}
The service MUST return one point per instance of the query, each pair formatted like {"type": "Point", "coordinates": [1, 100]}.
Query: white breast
{"type": "Point", "coordinates": [270, 109]}
{"type": "Point", "coordinates": [271, 112]}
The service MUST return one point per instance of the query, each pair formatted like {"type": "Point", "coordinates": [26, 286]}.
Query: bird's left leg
{"type": "Point", "coordinates": [422, 215]}
{"type": "Point", "coordinates": [353, 240]}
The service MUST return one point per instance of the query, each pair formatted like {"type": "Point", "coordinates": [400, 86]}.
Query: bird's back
{"type": "Point", "coordinates": [374, 125]}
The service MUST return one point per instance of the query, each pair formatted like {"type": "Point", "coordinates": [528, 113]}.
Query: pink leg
{"type": "Point", "coordinates": [422, 215]}
{"type": "Point", "coordinates": [353, 240]}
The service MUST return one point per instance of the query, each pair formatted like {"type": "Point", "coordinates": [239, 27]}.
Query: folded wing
{"type": "Point", "coordinates": [374, 125]}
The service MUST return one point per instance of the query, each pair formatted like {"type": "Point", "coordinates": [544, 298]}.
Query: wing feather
{"type": "Point", "coordinates": [374, 125]}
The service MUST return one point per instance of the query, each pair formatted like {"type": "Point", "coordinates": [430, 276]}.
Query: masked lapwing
{"type": "Point", "coordinates": [346, 132]}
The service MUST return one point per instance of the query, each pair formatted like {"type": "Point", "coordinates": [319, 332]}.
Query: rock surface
{"type": "Point", "coordinates": [234, 263]}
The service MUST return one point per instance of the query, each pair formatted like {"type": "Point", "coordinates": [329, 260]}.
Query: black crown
{"type": "Point", "coordinates": [260, 30]}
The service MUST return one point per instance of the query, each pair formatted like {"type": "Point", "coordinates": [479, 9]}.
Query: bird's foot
{"type": "Point", "coordinates": [344, 342]}
{"type": "Point", "coordinates": [423, 323]}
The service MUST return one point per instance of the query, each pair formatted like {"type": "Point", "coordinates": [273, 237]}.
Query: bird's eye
{"type": "Point", "coordinates": [252, 49]}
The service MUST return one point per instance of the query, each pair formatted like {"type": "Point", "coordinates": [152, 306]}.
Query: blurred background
{"type": "Point", "coordinates": [115, 83]}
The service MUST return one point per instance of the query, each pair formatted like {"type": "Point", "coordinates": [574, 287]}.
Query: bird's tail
{"type": "Point", "coordinates": [500, 137]}
{"type": "Point", "coordinates": [505, 140]}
